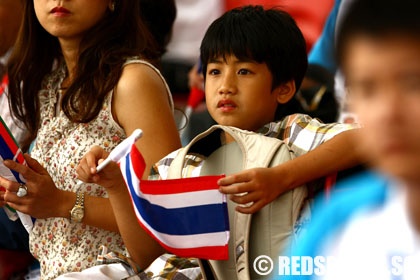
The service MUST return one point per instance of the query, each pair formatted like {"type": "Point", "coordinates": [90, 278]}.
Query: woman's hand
{"type": "Point", "coordinates": [2, 191]}
{"type": "Point", "coordinates": [43, 199]}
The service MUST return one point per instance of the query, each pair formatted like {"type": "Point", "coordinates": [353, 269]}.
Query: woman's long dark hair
{"type": "Point", "coordinates": [103, 50]}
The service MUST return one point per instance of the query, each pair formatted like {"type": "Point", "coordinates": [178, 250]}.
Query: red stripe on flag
{"type": "Point", "coordinates": [8, 138]}
{"type": "Point", "coordinates": [20, 158]}
{"type": "Point", "coordinates": [209, 253]}
{"type": "Point", "coordinates": [137, 161]}
{"type": "Point", "coordinates": [176, 186]}
{"type": "Point", "coordinates": [172, 186]}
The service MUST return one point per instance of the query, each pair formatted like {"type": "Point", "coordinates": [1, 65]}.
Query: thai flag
{"type": "Point", "coordinates": [9, 149]}
{"type": "Point", "coordinates": [188, 217]}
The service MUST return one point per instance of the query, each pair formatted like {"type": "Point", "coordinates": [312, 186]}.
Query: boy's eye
{"type": "Point", "coordinates": [213, 72]}
{"type": "Point", "coordinates": [244, 72]}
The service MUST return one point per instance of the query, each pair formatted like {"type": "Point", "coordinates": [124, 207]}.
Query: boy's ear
{"type": "Point", "coordinates": [285, 91]}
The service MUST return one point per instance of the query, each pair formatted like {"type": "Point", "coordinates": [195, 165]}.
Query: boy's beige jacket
{"type": "Point", "coordinates": [265, 233]}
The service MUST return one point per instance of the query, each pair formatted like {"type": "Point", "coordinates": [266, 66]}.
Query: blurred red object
{"type": "Point", "coordinates": [195, 97]}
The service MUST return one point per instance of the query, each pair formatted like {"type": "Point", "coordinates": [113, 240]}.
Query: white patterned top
{"type": "Point", "coordinates": [61, 245]}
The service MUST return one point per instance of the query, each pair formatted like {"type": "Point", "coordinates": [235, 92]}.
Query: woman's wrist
{"type": "Point", "coordinates": [66, 203]}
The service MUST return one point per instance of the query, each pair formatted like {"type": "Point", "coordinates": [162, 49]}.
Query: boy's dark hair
{"type": "Point", "coordinates": [378, 19]}
{"type": "Point", "coordinates": [265, 36]}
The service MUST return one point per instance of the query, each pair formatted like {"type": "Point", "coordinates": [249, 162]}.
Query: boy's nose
{"type": "Point", "coordinates": [227, 86]}
{"type": "Point", "coordinates": [225, 90]}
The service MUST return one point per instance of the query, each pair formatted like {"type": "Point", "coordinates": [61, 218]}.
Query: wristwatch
{"type": "Point", "coordinates": [78, 211]}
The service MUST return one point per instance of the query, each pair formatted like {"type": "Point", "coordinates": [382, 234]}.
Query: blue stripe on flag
{"type": "Point", "coordinates": [6, 153]}
{"type": "Point", "coordinates": [182, 221]}
{"type": "Point", "coordinates": [179, 221]}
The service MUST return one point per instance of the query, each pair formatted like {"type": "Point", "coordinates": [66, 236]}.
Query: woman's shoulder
{"type": "Point", "coordinates": [141, 69]}
{"type": "Point", "coordinates": [138, 60]}
{"type": "Point", "coordinates": [139, 73]}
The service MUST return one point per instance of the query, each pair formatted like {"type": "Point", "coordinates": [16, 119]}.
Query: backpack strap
{"type": "Point", "coordinates": [253, 147]}
{"type": "Point", "coordinates": [208, 141]}
{"type": "Point", "coordinates": [177, 164]}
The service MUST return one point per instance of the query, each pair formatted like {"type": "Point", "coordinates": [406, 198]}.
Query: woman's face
{"type": "Point", "coordinates": [70, 19]}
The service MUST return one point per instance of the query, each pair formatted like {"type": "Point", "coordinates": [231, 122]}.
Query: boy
{"type": "Point", "coordinates": [238, 43]}
{"type": "Point", "coordinates": [251, 99]}
{"type": "Point", "coordinates": [377, 236]}
{"type": "Point", "coordinates": [253, 62]}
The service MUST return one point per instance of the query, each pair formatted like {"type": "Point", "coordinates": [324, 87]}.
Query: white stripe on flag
{"type": "Point", "coordinates": [182, 200]}
{"type": "Point", "coordinates": [5, 172]}
{"type": "Point", "coordinates": [179, 200]}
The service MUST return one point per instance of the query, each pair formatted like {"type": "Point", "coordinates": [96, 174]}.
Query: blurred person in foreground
{"type": "Point", "coordinates": [373, 232]}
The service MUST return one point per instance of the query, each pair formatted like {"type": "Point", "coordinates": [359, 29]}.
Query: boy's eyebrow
{"type": "Point", "coordinates": [215, 60]}
{"type": "Point", "coordinates": [236, 61]}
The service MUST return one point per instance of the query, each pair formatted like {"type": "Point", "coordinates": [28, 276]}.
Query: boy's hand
{"type": "Point", "coordinates": [109, 177]}
{"type": "Point", "coordinates": [260, 185]}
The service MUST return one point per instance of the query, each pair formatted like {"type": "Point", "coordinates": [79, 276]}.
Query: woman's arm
{"type": "Point", "coordinates": [141, 101]}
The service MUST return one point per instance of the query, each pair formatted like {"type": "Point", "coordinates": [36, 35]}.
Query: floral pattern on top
{"type": "Point", "coordinates": [60, 245]}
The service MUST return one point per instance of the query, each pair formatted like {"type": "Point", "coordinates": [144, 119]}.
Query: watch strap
{"type": "Point", "coordinates": [78, 205]}
{"type": "Point", "coordinates": [80, 199]}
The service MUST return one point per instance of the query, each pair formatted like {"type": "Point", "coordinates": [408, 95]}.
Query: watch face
{"type": "Point", "coordinates": [77, 214]}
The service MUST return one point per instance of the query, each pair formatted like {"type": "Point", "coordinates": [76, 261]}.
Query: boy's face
{"type": "Point", "coordinates": [384, 91]}
{"type": "Point", "coordinates": [239, 93]}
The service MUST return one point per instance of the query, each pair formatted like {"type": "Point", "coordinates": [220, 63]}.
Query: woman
{"type": "Point", "coordinates": [102, 87]}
